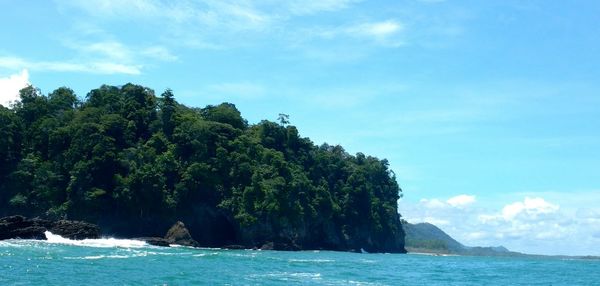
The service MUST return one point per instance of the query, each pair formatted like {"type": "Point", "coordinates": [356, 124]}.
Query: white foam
{"type": "Point", "coordinates": [311, 260]}
{"type": "Point", "coordinates": [206, 254]}
{"type": "Point", "coordinates": [101, 242]}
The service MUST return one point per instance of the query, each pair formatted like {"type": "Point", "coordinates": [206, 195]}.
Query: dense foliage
{"type": "Point", "coordinates": [134, 163]}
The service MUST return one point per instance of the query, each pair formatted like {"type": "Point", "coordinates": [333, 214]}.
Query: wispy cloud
{"type": "Point", "coordinates": [10, 86]}
{"type": "Point", "coordinates": [98, 67]}
{"type": "Point", "coordinates": [299, 7]}
{"type": "Point", "coordinates": [432, 1]}
{"type": "Point", "coordinates": [378, 30]}
{"type": "Point", "coordinates": [159, 53]}
{"type": "Point", "coordinates": [110, 49]}
{"type": "Point", "coordinates": [231, 14]}
{"type": "Point", "coordinates": [210, 23]}
{"type": "Point", "coordinates": [101, 57]}
{"type": "Point", "coordinates": [386, 32]}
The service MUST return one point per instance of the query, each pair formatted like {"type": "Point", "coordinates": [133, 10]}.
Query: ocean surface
{"type": "Point", "coordinates": [60, 261]}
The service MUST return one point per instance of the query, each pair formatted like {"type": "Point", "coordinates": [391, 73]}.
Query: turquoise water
{"type": "Point", "coordinates": [122, 262]}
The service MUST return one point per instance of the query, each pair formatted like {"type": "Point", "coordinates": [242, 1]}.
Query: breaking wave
{"type": "Point", "coordinates": [100, 242]}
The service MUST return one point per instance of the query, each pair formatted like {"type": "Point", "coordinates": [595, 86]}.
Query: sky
{"type": "Point", "coordinates": [488, 111]}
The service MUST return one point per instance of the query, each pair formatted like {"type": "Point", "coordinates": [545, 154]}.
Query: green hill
{"type": "Point", "coordinates": [134, 163]}
{"type": "Point", "coordinates": [428, 238]}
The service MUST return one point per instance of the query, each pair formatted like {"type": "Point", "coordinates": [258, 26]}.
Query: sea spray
{"type": "Point", "coordinates": [100, 242]}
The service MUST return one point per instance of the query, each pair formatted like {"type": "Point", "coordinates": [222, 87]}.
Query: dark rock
{"type": "Point", "coordinates": [24, 228]}
{"type": "Point", "coordinates": [235, 246]}
{"type": "Point", "coordinates": [268, 246]}
{"type": "Point", "coordinates": [21, 227]}
{"type": "Point", "coordinates": [280, 246]}
{"type": "Point", "coordinates": [74, 229]}
{"type": "Point", "coordinates": [179, 234]}
{"type": "Point", "coordinates": [156, 241]}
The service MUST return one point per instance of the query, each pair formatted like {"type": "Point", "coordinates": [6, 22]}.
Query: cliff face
{"type": "Point", "coordinates": [212, 228]}
{"type": "Point", "coordinates": [134, 163]}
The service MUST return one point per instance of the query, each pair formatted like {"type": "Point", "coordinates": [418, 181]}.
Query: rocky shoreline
{"type": "Point", "coordinates": [20, 227]}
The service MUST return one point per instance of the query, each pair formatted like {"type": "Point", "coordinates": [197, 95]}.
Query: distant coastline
{"type": "Point", "coordinates": [428, 239]}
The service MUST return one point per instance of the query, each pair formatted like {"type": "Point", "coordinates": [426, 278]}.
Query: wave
{"type": "Point", "coordinates": [311, 260]}
{"type": "Point", "coordinates": [100, 242]}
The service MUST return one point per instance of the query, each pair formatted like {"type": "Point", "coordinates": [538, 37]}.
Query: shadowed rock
{"type": "Point", "coordinates": [24, 228]}
{"type": "Point", "coordinates": [156, 241]}
{"type": "Point", "coordinates": [179, 234]}
{"type": "Point", "coordinates": [280, 246]}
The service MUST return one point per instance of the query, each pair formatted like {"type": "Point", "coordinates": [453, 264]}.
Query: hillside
{"type": "Point", "coordinates": [428, 238]}
{"type": "Point", "coordinates": [134, 163]}
{"type": "Point", "coordinates": [425, 236]}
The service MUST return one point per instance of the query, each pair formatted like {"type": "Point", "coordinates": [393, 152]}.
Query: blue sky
{"type": "Point", "coordinates": [488, 111]}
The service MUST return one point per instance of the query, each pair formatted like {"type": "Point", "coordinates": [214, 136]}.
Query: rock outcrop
{"type": "Point", "coordinates": [156, 241]}
{"type": "Point", "coordinates": [280, 246]}
{"type": "Point", "coordinates": [179, 234]}
{"type": "Point", "coordinates": [24, 228]}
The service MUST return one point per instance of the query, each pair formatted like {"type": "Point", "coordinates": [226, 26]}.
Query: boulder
{"type": "Point", "coordinates": [24, 228]}
{"type": "Point", "coordinates": [234, 247]}
{"type": "Point", "coordinates": [156, 241]}
{"type": "Point", "coordinates": [268, 246]}
{"type": "Point", "coordinates": [74, 229]}
{"type": "Point", "coordinates": [179, 234]}
{"type": "Point", "coordinates": [280, 246]}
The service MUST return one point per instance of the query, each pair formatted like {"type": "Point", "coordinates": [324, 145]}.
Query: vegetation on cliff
{"type": "Point", "coordinates": [134, 163]}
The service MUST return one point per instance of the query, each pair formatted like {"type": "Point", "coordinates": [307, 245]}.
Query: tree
{"type": "Point", "coordinates": [283, 119]}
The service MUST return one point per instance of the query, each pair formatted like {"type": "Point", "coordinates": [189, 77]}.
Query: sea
{"type": "Point", "coordinates": [108, 261]}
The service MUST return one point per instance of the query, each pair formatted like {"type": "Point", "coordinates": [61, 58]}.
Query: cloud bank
{"type": "Point", "coordinates": [531, 225]}
{"type": "Point", "coordinates": [10, 86]}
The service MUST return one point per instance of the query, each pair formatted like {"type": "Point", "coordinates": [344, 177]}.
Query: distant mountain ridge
{"type": "Point", "coordinates": [428, 238]}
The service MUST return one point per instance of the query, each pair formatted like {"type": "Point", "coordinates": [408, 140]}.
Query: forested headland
{"type": "Point", "coordinates": [134, 163]}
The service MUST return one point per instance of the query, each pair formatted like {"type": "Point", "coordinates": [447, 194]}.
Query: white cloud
{"type": "Point", "coordinates": [206, 10]}
{"type": "Point", "coordinates": [477, 235]}
{"type": "Point", "coordinates": [461, 200]}
{"type": "Point", "coordinates": [311, 7]}
{"type": "Point", "coordinates": [110, 49]}
{"type": "Point", "coordinates": [113, 68]}
{"type": "Point", "coordinates": [432, 203]}
{"type": "Point", "coordinates": [103, 57]}
{"type": "Point", "coordinates": [97, 67]}
{"type": "Point", "coordinates": [114, 51]}
{"type": "Point", "coordinates": [159, 53]}
{"type": "Point", "coordinates": [114, 8]}
{"type": "Point", "coordinates": [10, 86]}
{"type": "Point", "coordinates": [377, 29]}
{"type": "Point", "coordinates": [384, 33]}
{"type": "Point", "coordinates": [529, 207]}
{"type": "Point", "coordinates": [236, 15]}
